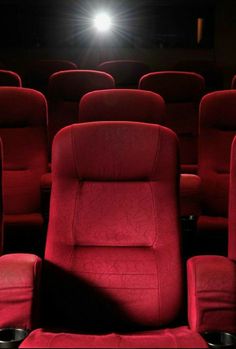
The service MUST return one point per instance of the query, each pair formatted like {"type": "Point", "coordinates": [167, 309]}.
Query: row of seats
{"type": "Point", "coordinates": [112, 274]}
{"type": "Point", "coordinates": [23, 128]}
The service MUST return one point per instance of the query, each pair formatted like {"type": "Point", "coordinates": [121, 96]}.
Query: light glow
{"type": "Point", "coordinates": [102, 22]}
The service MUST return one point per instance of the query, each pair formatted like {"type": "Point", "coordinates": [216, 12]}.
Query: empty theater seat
{"type": "Point", "coordinates": [212, 279]}
{"type": "Point", "coordinates": [38, 73]}
{"type": "Point", "coordinates": [217, 130]}
{"type": "Point", "coordinates": [182, 92]}
{"type": "Point", "coordinates": [125, 72]}
{"type": "Point", "coordinates": [65, 91]}
{"type": "Point", "coordinates": [113, 220]}
{"type": "Point", "coordinates": [9, 78]}
{"type": "Point", "coordinates": [122, 105]}
{"type": "Point", "coordinates": [23, 129]}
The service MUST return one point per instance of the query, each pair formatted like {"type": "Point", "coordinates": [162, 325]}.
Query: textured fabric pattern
{"type": "Point", "coordinates": [122, 105]}
{"type": "Point", "coordinates": [19, 280]}
{"type": "Point", "coordinates": [114, 218]}
{"type": "Point", "coordinates": [212, 294]}
{"type": "Point", "coordinates": [170, 338]}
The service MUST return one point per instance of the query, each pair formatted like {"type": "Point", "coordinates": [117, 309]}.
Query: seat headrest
{"type": "Point", "coordinates": [218, 110]}
{"type": "Point", "coordinates": [122, 105]}
{"type": "Point", "coordinates": [9, 78]}
{"type": "Point", "coordinates": [173, 86]}
{"type": "Point", "coordinates": [72, 85]}
{"type": "Point", "coordinates": [22, 107]}
{"type": "Point", "coordinates": [115, 151]}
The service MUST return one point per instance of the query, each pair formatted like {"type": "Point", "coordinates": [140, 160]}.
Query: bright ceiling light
{"type": "Point", "coordinates": [102, 22]}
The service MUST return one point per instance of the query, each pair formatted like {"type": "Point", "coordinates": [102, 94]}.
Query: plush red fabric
{"type": "Point", "coordinates": [190, 186]}
{"type": "Point", "coordinates": [182, 92]}
{"type": "Point", "coordinates": [169, 338]}
{"type": "Point", "coordinates": [125, 72]}
{"type": "Point", "coordinates": [38, 73]}
{"type": "Point", "coordinates": [9, 78]}
{"type": "Point", "coordinates": [65, 91]}
{"type": "Point", "coordinates": [232, 204]}
{"type": "Point", "coordinates": [212, 294]}
{"type": "Point", "coordinates": [23, 129]}
{"type": "Point", "coordinates": [122, 105]}
{"type": "Point", "coordinates": [217, 130]}
{"type": "Point", "coordinates": [19, 290]}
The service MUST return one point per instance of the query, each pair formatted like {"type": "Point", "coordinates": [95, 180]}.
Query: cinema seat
{"type": "Point", "coordinates": [65, 91]}
{"type": "Point", "coordinates": [122, 105]}
{"type": "Point", "coordinates": [125, 72]}
{"type": "Point", "coordinates": [23, 129]}
{"type": "Point", "coordinates": [38, 73]}
{"type": "Point", "coordinates": [9, 78]}
{"type": "Point", "coordinates": [217, 130]}
{"type": "Point", "coordinates": [212, 279]}
{"type": "Point", "coordinates": [112, 255]}
{"type": "Point", "coordinates": [182, 92]}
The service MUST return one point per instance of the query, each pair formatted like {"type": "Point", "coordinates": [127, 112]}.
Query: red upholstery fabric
{"type": "Point", "coordinates": [125, 72]}
{"type": "Point", "coordinates": [114, 220]}
{"type": "Point", "coordinates": [23, 121]}
{"type": "Point", "coordinates": [65, 91]}
{"type": "Point", "coordinates": [190, 186]}
{"type": "Point", "coordinates": [232, 204]}
{"type": "Point", "coordinates": [182, 92]}
{"type": "Point", "coordinates": [9, 78]}
{"type": "Point", "coordinates": [212, 294]}
{"type": "Point", "coordinates": [217, 130]}
{"type": "Point", "coordinates": [171, 338]}
{"type": "Point", "coordinates": [19, 281]}
{"type": "Point", "coordinates": [122, 105]}
{"type": "Point", "coordinates": [38, 73]}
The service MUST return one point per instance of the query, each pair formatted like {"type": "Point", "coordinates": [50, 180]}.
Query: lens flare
{"type": "Point", "coordinates": [102, 22]}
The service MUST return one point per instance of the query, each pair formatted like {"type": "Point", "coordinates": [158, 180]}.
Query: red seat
{"type": "Point", "coordinates": [212, 279]}
{"type": "Point", "coordinates": [217, 130]}
{"type": "Point", "coordinates": [23, 129]}
{"type": "Point", "coordinates": [65, 91]}
{"type": "Point", "coordinates": [112, 255]}
{"type": "Point", "coordinates": [122, 105]}
{"type": "Point", "coordinates": [9, 78]}
{"type": "Point", "coordinates": [182, 92]}
{"type": "Point", "coordinates": [125, 72]}
{"type": "Point", "coordinates": [38, 73]}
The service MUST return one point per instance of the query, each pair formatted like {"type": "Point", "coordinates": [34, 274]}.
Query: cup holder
{"type": "Point", "coordinates": [220, 340]}
{"type": "Point", "coordinates": [12, 337]}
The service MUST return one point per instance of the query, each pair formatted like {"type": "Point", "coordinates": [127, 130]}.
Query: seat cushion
{"type": "Point", "coordinates": [180, 337]}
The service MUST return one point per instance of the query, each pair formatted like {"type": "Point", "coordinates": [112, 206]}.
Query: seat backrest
{"type": "Point", "coordinates": [38, 73]}
{"type": "Point", "coordinates": [112, 251]}
{"type": "Point", "coordinates": [217, 130]}
{"type": "Point", "coordinates": [122, 105]}
{"type": "Point", "coordinates": [125, 72]}
{"type": "Point", "coordinates": [65, 91]}
{"type": "Point", "coordinates": [209, 69]}
{"type": "Point", "coordinates": [23, 129]}
{"type": "Point", "coordinates": [9, 78]}
{"type": "Point", "coordinates": [182, 92]}
{"type": "Point", "coordinates": [232, 204]}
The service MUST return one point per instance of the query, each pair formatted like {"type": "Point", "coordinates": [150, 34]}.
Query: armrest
{"type": "Point", "coordinates": [46, 181]}
{"type": "Point", "coordinates": [20, 276]}
{"type": "Point", "coordinates": [190, 186]}
{"type": "Point", "coordinates": [211, 294]}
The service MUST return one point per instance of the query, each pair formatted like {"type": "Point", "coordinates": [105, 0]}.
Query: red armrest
{"type": "Point", "coordinates": [212, 294]}
{"type": "Point", "coordinates": [46, 181]}
{"type": "Point", "coordinates": [19, 288]}
{"type": "Point", "coordinates": [190, 186]}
